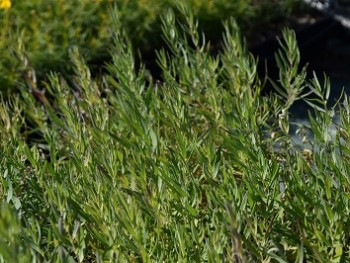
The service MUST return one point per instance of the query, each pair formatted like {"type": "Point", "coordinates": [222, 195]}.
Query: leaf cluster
{"type": "Point", "coordinates": [197, 167]}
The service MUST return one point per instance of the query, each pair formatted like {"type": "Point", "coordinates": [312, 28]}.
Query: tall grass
{"type": "Point", "coordinates": [196, 167]}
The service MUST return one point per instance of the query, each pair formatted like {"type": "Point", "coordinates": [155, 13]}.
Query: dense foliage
{"type": "Point", "coordinates": [44, 30]}
{"type": "Point", "coordinates": [197, 166]}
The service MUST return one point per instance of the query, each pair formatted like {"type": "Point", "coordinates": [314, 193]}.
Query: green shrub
{"type": "Point", "coordinates": [196, 167]}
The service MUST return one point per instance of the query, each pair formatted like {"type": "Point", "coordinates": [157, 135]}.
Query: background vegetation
{"type": "Point", "coordinates": [44, 30]}
{"type": "Point", "coordinates": [106, 165]}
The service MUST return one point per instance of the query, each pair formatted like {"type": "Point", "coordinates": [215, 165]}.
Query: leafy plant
{"type": "Point", "coordinates": [196, 167]}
